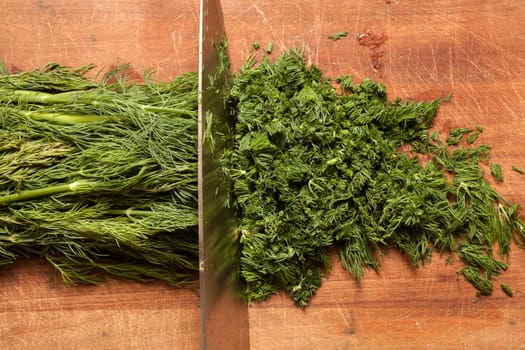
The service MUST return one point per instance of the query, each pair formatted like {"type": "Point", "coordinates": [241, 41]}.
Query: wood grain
{"type": "Point", "coordinates": [38, 312]}
{"type": "Point", "coordinates": [474, 49]}
{"type": "Point", "coordinates": [158, 35]}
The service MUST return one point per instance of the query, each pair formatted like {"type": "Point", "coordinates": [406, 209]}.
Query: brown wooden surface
{"type": "Point", "coordinates": [476, 49]}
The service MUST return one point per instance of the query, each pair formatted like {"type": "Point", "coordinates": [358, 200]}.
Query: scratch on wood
{"type": "Point", "coordinates": [348, 319]}
{"type": "Point", "coordinates": [451, 72]}
{"type": "Point", "coordinates": [507, 103]}
{"type": "Point", "coordinates": [96, 8]}
{"type": "Point", "coordinates": [261, 14]}
{"type": "Point", "coordinates": [265, 20]}
{"type": "Point", "coordinates": [474, 99]}
{"type": "Point", "coordinates": [193, 10]}
{"type": "Point", "coordinates": [35, 332]}
{"type": "Point", "coordinates": [434, 63]}
{"type": "Point", "coordinates": [241, 25]}
{"type": "Point", "coordinates": [466, 31]}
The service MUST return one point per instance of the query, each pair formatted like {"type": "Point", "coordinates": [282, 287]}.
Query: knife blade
{"type": "Point", "coordinates": [224, 315]}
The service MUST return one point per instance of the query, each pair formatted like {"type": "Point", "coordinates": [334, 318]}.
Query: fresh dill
{"type": "Point", "coordinates": [518, 170]}
{"type": "Point", "coordinates": [474, 136]}
{"type": "Point", "coordinates": [507, 290]}
{"type": "Point", "coordinates": [495, 170]}
{"type": "Point", "coordinates": [100, 176]}
{"type": "Point", "coordinates": [316, 167]}
{"type": "Point", "coordinates": [337, 36]}
{"type": "Point", "coordinates": [269, 48]}
{"type": "Point", "coordinates": [456, 135]}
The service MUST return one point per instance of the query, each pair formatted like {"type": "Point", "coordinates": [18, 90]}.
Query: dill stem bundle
{"type": "Point", "coordinates": [99, 177]}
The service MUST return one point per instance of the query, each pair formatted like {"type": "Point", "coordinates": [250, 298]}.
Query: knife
{"type": "Point", "coordinates": [224, 315]}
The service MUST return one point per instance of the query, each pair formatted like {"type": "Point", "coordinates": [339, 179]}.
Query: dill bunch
{"type": "Point", "coordinates": [99, 177]}
{"type": "Point", "coordinates": [319, 164]}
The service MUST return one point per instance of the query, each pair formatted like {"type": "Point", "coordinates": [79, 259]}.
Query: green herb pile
{"type": "Point", "coordinates": [320, 164]}
{"type": "Point", "coordinates": [99, 176]}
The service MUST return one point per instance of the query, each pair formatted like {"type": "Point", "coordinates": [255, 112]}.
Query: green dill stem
{"type": "Point", "coordinates": [29, 96]}
{"type": "Point", "coordinates": [158, 109]}
{"type": "Point", "coordinates": [337, 36]}
{"type": "Point", "coordinates": [77, 186]}
{"type": "Point", "coordinates": [130, 212]}
{"type": "Point", "coordinates": [518, 170]}
{"type": "Point", "coordinates": [507, 290]}
{"type": "Point", "coordinates": [66, 118]}
{"type": "Point", "coordinates": [25, 96]}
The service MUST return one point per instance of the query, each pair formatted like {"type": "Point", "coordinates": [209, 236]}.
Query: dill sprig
{"type": "Point", "coordinates": [337, 36]}
{"type": "Point", "coordinates": [456, 135]}
{"type": "Point", "coordinates": [100, 176]}
{"type": "Point", "coordinates": [518, 170]}
{"type": "Point", "coordinates": [319, 164]}
{"type": "Point", "coordinates": [495, 170]}
{"type": "Point", "coordinates": [507, 290]}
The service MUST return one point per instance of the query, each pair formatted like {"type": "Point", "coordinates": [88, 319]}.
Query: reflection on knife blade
{"type": "Point", "coordinates": [224, 314]}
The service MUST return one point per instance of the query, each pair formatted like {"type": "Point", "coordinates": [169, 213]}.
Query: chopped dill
{"type": "Point", "coordinates": [507, 290]}
{"type": "Point", "coordinates": [495, 170]}
{"type": "Point", "coordinates": [456, 135]}
{"type": "Point", "coordinates": [317, 167]}
{"type": "Point", "coordinates": [269, 48]}
{"type": "Point", "coordinates": [337, 36]}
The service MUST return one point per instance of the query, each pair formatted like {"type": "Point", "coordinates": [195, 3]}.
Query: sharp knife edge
{"type": "Point", "coordinates": [224, 316]}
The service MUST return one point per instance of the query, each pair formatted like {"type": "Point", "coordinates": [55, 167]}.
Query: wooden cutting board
{"type": "Point", "coordinates": [418, 49]}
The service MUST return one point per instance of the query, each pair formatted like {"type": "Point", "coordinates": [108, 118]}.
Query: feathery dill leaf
{"type": "Point", "coordinates": [518, 170]}
{"type": "Point", "coordinates": [495, 170]}
{"type": "Point", "coordinates": [319, 164]}
{"type": "Point", "coordinates": [100, 177]}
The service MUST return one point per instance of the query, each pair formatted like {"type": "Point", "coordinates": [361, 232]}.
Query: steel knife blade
{"type": "Point", "coordinates": [224, 315]}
